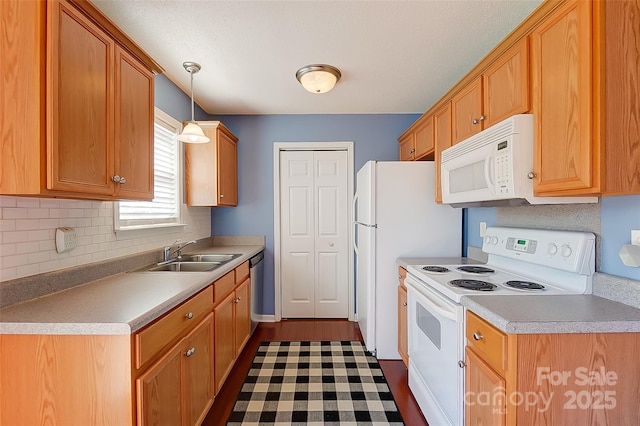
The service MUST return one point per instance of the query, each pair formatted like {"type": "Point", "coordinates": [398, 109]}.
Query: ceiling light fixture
{"type": "Point", "coordinates": [192, 133]}
{"type": "Point", "coordinates": [318, 78]}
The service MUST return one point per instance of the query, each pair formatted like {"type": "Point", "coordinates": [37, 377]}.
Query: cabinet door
{"type": "Point", "coordinates": [79, 103]}
{"type": "Point", "coordinates": [159, 400]}
{"type": "Point", "coordinates": [197, 372]}
{"type": "Point", "coordinates": [224, 343]}
{"type": "Point", "coordinates": [506, 85]}
{"type": "Point", "coordinates": [243, 315]}
{"type": "Point", "coordinates": [424, 138]}
{"type": "Point", "coordinates": [403, 347]}
{"type": "Point", "coordinates": [407, 149]}
{"type": "Point", "coordinates": [227, 171]}
{"type": "Point", "coordinates": [466, 110]}
{"type": "Point", "coordinates": [133, 126]}
{"type": "Point", "coordinates": [481, 381]}
{"type": "Point", "coordinates": [442, 136]}
{"type": "Point", "coordinates": [562, 87]}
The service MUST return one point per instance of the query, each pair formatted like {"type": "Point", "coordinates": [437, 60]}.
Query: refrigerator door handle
{"type": "Point", "coordinates": [355, 224]}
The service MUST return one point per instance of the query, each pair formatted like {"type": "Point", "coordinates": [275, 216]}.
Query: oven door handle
{"type": "Point", "coordinates": [431, 303]}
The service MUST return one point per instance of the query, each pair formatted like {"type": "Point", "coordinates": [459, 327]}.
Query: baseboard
{"type": "Point", "coordinates": [263, 318]}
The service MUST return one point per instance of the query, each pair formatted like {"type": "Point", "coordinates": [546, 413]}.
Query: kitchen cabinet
{"type": "Point", "coordinates": [178, 389]}
{"type": "Point", "coordinates": [501, 91]}
{"type": "Point", "coordinates": [442, 141]}
{"type": "Point", "coordinates": [120, 379]}
{"type": "Point", "coordinates": [81, 120]}
{"type": "Point", "coordinates": [581, 378]}
{"type": "Point", "coordinates": [232, 320]}
{"type": "Point", "coordinates": [211, 169]}
{"type": "Point", "coordinates": [403, 343]}
{"type": "Point", "coordinates": [417, 142]}
{"type": "Point", "coordinates": [584, 138]}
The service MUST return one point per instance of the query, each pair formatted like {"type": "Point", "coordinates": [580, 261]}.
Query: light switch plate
{"type": "Point", "coordinates": [635, 237]}
{"type": "Point", "coordinates": [483, 229]}
{"type": "Point", "coordinates": [65, 239]}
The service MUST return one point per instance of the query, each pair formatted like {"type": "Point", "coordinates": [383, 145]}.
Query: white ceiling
{"type": "Point", "coordinates": [395, 56]}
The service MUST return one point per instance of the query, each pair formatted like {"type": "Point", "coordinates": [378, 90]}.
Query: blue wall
{"type": "Point", "coordinates": [172, 100]}
{"type": "Point", "coordinates": [374, 137]}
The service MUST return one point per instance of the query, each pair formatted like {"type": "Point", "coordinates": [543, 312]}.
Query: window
{"type": "Point", "coordinates": [164, 210]}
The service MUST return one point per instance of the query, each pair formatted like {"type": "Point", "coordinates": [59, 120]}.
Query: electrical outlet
{"type": "Point", "coordinates": [65, 239]}
{"type": "Point", "coordinates": [483, 229]}
{"type": "Point", "coordinates": [635, 237]}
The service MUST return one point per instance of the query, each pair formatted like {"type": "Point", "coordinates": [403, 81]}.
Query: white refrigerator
{"type": "Point", "coordinates": [395, 216]}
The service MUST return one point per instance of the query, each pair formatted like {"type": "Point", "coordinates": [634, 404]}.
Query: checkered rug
{"type": "Point", "coordinates": [314, 383]}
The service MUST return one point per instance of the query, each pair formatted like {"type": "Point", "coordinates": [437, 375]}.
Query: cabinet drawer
{"type": "Point", "coordinates": [154, 337]}
{"type": "Point", "coordinates": [223, 286]}
{"type": "Point", "coordinates": [488, 341]}
{"type": "Point", "coordinates": [402, 274]}
{"type": "Point", "coordinates": [242, 272]}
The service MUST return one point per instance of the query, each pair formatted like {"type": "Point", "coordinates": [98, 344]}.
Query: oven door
{"type": "Point", "coordinates": [436, 345]}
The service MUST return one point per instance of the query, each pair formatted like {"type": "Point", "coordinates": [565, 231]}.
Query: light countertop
{"type": "Point", "coordinates": [119, 304]}
{"type": "Point", "coordinates": [555, 314]}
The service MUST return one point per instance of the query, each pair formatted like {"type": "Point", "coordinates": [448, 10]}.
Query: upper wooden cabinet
{"type": "Point", "coordinates": [81, 122]}
{"type": "Point", "coordinates": [417, 142]}
{"type": "Point", "coordinates": [585, 99]}
{"type": "Point", "coordinates": [442, 141]}
{"type": "Point", "coordinates": [211, 170]}
{"type": "Point", "coordinates": [501, 91]}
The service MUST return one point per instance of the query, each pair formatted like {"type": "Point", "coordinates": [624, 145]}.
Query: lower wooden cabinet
{"type": "Point", "coordinates": [178, 389]}
{"type": "Point", "coordinates": [403, 346]}
{"type": "Point", "coordinates": [550, 379]}
{"type": "Point", "coordinates": [232, 318]}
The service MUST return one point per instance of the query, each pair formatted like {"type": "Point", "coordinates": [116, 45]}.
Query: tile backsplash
{"type": "Point", "coordinates": [27, 234]}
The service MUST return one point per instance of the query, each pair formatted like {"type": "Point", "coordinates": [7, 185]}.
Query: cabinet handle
{"type": "Point", "coordinates": [118, 179]}
{"type": "Point", "coordinates": [190, 352]}
{"type": "Point", "coordinates": [479, 119]}
{"type": "Point", "coordinates": [189, 315]}
{"type": "Point", "coordinates": [531, 175]}
{"type": "Point", "coordinates": [462, 364]}
{"type": "Point", "coordinates": [477, 336]}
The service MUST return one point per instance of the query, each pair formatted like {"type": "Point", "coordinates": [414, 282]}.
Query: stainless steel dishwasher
{"type": "Point", "coordinates": [256, 265]}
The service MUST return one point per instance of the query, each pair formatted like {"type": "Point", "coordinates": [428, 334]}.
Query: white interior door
{"type": "Point", "coordinates": [314, 234]}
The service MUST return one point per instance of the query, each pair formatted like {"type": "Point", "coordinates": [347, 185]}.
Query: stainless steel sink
{"type": "Point", "coordinates": [186, 267]}
{"type": "Point", "coordinates": [212, 257]}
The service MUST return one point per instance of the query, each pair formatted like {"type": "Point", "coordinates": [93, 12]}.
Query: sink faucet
{"type": "Point", "coordinates": [167, 251]}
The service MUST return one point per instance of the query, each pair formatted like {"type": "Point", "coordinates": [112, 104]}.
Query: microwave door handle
{"type": "Point", "coordinates": [489, 172]}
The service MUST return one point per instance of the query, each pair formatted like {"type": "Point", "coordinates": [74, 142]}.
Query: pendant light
{"type": "Point", "coordinates": [318, 78]}
{"type": "Point", "coordinates": [192, 133]}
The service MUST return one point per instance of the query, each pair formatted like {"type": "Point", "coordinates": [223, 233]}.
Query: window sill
{"type": "Point", "coordinates": [146, 230]}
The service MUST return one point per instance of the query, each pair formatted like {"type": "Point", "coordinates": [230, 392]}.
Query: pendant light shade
{"type": "Point", "coordinates": [192, 133]}
{"type": "Point", "coordinates": [318, 78]}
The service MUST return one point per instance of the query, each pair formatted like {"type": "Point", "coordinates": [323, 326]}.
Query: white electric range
{"type": "Point", "coordinates": [520, 262]}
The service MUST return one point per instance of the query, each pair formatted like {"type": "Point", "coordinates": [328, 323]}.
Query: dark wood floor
{"type": "Point", "coordinates": [310, 330]}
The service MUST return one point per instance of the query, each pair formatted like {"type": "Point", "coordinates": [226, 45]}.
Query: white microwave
{"type": "Point", "coordinates": [495, 168]}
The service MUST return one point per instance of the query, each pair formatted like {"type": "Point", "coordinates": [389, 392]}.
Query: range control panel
{"type": "Point", "coordinates": [566, 250]}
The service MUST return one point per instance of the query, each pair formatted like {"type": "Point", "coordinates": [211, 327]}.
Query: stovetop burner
{"type": "Point", "coordinates": [476, 285]}
{"type": "Point", "coordinates": [475, 269]}
{"type": "Point", "coordinates": [524, 285]}
{"type": "Point", "coordinates": [436, 269]}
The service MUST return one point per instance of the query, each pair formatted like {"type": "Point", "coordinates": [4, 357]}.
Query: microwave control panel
{"type": "Point", "coordinates": [504, 183]}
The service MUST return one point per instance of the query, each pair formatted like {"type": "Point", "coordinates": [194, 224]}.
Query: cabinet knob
{"type": "Point", "coordinates": [479, 119]}
{"type": "Point", "coordinates": [404, 304]}
{"type": "Point", "coordinates": [531, 175]}
{"type": "Point", "coordinates": [412, 151]}
{"type": "Point", "coordinates": [221, 195]}
{"type": "Point", "coordinates": [462, 364]}
{"type": "Point", "coordinates": [189, 315]}
{"type": "Point", "coordinates": [477, 336]}
{"type": "Point", "coordinates": [190, 352]}
{"type": "Point", "coordinates": [123, 180]}
{"type": "Point", "coordinates": [118, 179]}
